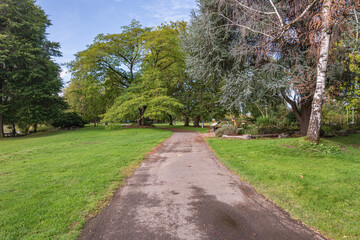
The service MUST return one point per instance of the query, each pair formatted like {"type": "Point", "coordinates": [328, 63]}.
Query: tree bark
{"type": "Point", "coordinates": [197, 121]}
{"type": "Point", "coordinates": [302, 114]}
{"type": "Point", "coordinates": [1, 126]}
{"type": "Point", "coordinates": [95, 122]}
{"type": "Point", "coordinates": [13, 130]}
{"type": "Point", "coordinates": [170, 120]}
{"type": "Point", "coordinates": [35, 127]}
{"type": "Point", "coordinates": [313, 133]}
{"type": "Point", "coordinates": [141, 120]}
{"type": "Point", "coordinates": [186, 124]}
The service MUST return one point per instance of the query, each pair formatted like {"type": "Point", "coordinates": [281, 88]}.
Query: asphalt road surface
{"type": "Point", "coordinates": [182, 191]}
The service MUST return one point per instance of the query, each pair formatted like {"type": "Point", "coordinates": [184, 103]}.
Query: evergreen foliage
{"type": "Point", "coordinates": [29, 79]}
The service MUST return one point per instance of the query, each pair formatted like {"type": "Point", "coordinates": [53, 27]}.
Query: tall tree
{"type": "Point", "coordinates": [29, 79]}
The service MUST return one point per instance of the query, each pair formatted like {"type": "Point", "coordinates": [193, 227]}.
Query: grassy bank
{"type": "Point", "coordinates": [49, 183]}
{"type": "Point", "coordinates": [319, 185]}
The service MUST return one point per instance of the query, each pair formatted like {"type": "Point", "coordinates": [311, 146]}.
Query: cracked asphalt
{"type": "Point", "coordinates": [182, 191]}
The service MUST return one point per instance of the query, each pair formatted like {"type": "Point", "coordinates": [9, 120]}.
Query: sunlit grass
{"type": "Point", "coordinates": [49, 183]}
{"type": "Point", "coordinates": [322, 189]}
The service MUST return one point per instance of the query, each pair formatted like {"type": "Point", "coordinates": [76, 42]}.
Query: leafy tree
{"type": "Point", "coordinates": [86, 97]}
{"type": "Point", "coordinates": [150, 96]}
{"type": "Point", "coordinates": [113, 59]}
{"type": "Point", "coordinates": [29, 79]}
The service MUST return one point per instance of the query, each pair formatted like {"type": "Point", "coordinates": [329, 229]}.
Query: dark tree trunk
{"type": "Point", "coordinates": [303, 114]}
{"type": "Point", "coordinates": [35, 127]}
{"type": "Point", "coordinates": [95, 122]}
{"type": "Point", "coordinates": [13, 130]}
{"type": "Point", "coordinates": [197, 121]}
{"type": "Point", "coordinates": [186, 124]}
{"type": "Point", "coordinates": [170, 120]}
{"type": "Point", "coordinates": [141, 119]}
{"type": "Point", "coordinates": [1, 126]}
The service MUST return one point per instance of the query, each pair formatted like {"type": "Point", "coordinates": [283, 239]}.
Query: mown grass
{"type": "Point", "coordinates": [50, 183]}
{"type": "Point", "coordinates": [180, 125]}
{"type": "Point", "coordinates": [320, 186]}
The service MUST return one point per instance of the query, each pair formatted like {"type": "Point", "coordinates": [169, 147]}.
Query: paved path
{"type": "Point", "coordinates": [183, 192]}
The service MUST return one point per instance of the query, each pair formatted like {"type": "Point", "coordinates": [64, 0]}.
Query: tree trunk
{"type": "Point", "coordinates": [1, 126]}
{"type": "Point", "coordinates": [313, 133]}
{"type": "Point", "coordinates": [302, 114]}
{"type": "Point", "coordinates": [170, 120]}
{"type": "Point", "coordinates": [186, 124]}
{"type": "Point", "coordinates": [13, 130]}
{"type": "Point", "coordinates": [141, 119]}
{"type": "Point", "coordinates": [95, 122]}
{"type": "Point", "coordinates": [305, 118]}
{"type": "Point", "coordinates": [197, 121]}
{"type": "Point", "coordinates": [35, 127]}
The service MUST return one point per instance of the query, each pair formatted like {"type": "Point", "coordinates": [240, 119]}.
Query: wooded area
{"type": "Point", "coordinates": [247, 59]}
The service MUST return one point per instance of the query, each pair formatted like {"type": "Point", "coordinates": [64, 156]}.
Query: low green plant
{"type": "Point", "coordinates": [266, 121]}
{"type": "Point", "coordinates": [327, 148]}
{"type": "Point", "coordinates": [226, 129]}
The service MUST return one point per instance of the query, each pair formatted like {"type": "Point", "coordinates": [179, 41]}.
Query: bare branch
{"type": "Point", "coordinates": [254, 10]}
{"type": "Point", "coordinates": [277, 13]}
{"type": "Point", "coordinates": [246, 27]}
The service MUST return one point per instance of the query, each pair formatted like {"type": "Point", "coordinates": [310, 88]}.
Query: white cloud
{"type": "Point", "coordinates": [170, 10]}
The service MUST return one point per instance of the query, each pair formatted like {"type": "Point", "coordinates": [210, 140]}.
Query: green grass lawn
{"type": "Point", "coordinates": [321, 189]}
{"type": "Point", "coordinates": [50, 183]}
{"type": "Point", "coordinates": [180, 125]}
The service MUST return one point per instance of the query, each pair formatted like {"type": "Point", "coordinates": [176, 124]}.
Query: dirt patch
{"type": "Point", "coordinates": [288, 146]}
{"type": "Point", "coordinates": [5, 173]}
{"type": "Point", "coordinates": [355, 145]}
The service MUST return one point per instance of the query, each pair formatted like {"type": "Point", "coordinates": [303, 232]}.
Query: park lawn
{"type": "Point", "coordinates": [50, 183]}
{"type": "Point", "coordinates": [180, 125]}
{"type": "Point", "coordinates": [321, 189]}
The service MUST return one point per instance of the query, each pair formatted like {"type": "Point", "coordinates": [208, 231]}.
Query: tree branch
{"type": "Point", "coordinates": [277, 13]}
{"type": "Point", "coordinates": [254, 10]}
{"type": "Point", "coordinates": [246, 27]}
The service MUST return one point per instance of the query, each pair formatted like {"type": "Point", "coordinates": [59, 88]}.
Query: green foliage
{"type": "Point", "coordinates": [319, 188]}
{"type": "Point", "coordinates": [266, 121]}
{"type": "Point", "coordinates": [326, 148]}
{"type": "Point", "coordinates": [226, 129]}
{"type": "Point", "coordinates": [54, 182]}
{"type": "Point", "coordinates": [68, 119]}
{"type": "Point", "coordinates": [29, 78]}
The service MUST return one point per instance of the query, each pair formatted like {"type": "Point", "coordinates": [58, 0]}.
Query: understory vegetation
{"type": "Point", "coordinates": [316, 183]}
{"type": "Point", "coordinates": [51, 183]}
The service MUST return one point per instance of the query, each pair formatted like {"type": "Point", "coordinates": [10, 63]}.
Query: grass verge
{"type": "Point", "coordinates": [50, 183]}
{"type": "Point", "coordinates": [318, 185]}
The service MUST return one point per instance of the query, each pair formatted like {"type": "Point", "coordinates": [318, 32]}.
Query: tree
{"type": "Point", "coordinates": [113, 59]}
{"type": "Point", "coordinates": [29, 79]}
{"type": "Point", "coordinates": [273, 47]}
{"type": "Point", "coordinates": [150, 95]}
{"type": "Point", "coordinates": [86, 97]}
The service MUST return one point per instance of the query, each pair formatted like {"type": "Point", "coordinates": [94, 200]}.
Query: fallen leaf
{"type": "Point", "coordinates": [301, 176]}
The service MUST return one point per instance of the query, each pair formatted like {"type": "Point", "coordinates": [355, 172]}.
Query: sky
{"type": "Point", "coordinates": [75, 23]}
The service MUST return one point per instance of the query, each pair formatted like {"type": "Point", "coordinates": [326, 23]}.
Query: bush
{"type": "Point", "coordinates": [265, 121]}
{"type": "Point", "coordinates": [69, 119]}
{"type": "Point", "coordinates": [227, 129]}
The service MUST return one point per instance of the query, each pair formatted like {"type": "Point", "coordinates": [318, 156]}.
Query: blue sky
{"type": "Point", "coordinates": [77, 22]}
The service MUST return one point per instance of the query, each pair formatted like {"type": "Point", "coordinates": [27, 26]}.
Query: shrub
{"type": "Point", "coordinates": [265, 121]}
{"type": "Point", "coordinates": [227, 129]}
{"type": "Point", "coordinates": [69, 119]}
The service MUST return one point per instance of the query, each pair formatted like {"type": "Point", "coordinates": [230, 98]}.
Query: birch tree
{"type": "Point", "coordinates": [266, 27]}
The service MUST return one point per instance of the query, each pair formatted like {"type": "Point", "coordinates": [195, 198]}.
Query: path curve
{"type": "Point", "coordinates": [182, 191]}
